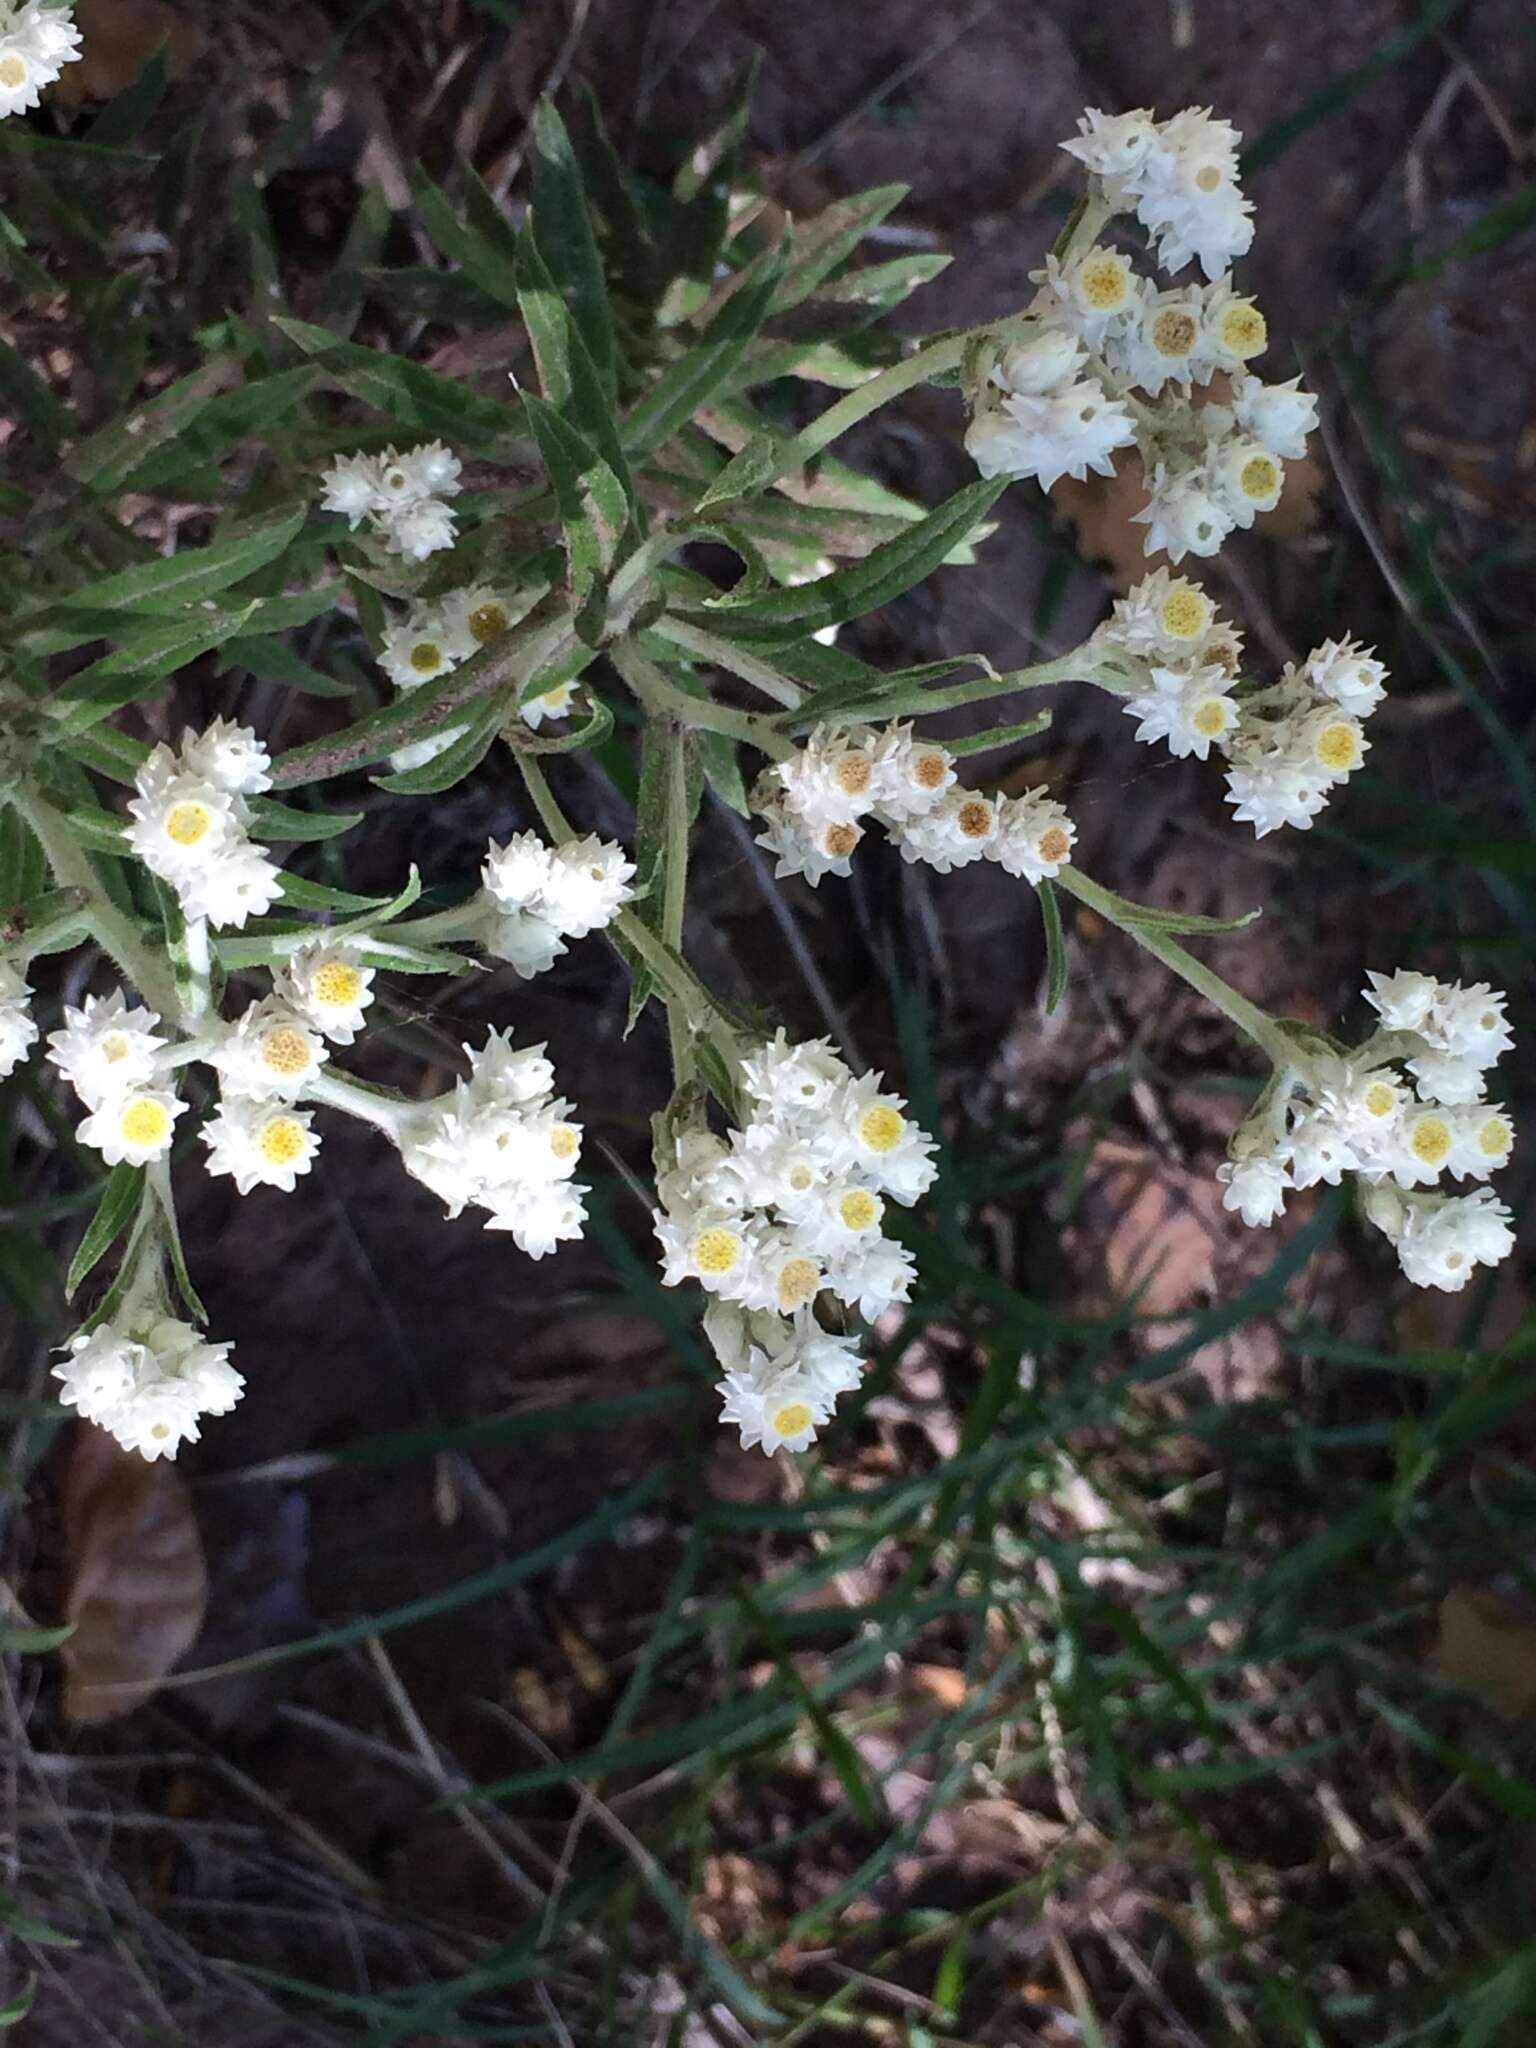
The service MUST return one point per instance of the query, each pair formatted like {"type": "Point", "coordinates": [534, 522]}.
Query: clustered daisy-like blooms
{"type": "Point", "coordinates": [18, 1027]}
{"type": "Point", "coordinates": [1401, 1113]}
{"type": "Point", "coordinates": [812, 806]}
{"type": "Point", "coordinates": [400, 496]}
{"type": "Point", "coordinates": [148, 1380]}
{"type": "Point", "coordinates": [191, 823]}
{"type": "Point", "coordinates": [432, 638]}
{"type": "Point", "coordinates": [37, 39]}
{"type": "Point", "coordinates": [785, 1209]}
{"type": "Point", "coordinates": [1288, 746]}
{"type": "Point", "coordinates": [1104, 359]}
{"type": "Point", "coordinates": [537, 896]}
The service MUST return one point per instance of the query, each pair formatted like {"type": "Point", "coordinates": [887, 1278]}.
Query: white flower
{"type": "Point", "coordinates": [1482, 1138]}
{"type": "Point", "coordinates": [1166, 342]}
{"type": "Point", "coordinates": [874, 1276]}
{"type": "Point", "coordinates": [149, 1387]}
{"type": "Point", "coordinates": [834, 778]}
{"type": "Point", "coordinates": [780, 1413]}
{"type": "Point", "coordinates": [1442, 1239]}
{"type": "Point", "coordinates": [1246, 477]}
{"type": "Point", "coordinates": [526, 942]}
{"type": "Point", "coordinates": [427, 471]}
{"type": "Point", "coordinates": [1318, 1151]}
{"type": "Point", "coordinates": [1096, 293]}
{"type": "Point", "coordinates": [476, 615]}
{"type": "Point", "coordinates": [1164, 617]}
{"type": "Point", "coordinates": [1255, 1187]}
{"type": "Point", "coordinates": [36, 41]}
{"type": "Point", "coordinates": [241, 883]}
{"type": "Point", "coordinates": [589, 883]}
{"type": "Point", "coordinates": [789, 1079]}
{"type": "Point", "coordinates": [1403, 999]}
{"type": "Point", "coordinates": [1270, 790]}
{"type": "Point", "coordinates": [540, 1217]}
{"type": "Point", "coordinates": [1444, 1079]}
{"type": "Point", "coordinates": [1034, 836]}
{"type": "Point", "coordinates": [1042, 363]}
{"type": "Point", "coordinates": [1114, 145]}
{"type": "Point", "coordinates": [229, 756]}
{"type": "Point", "coordinates": [1233, 330]}
{"type": "Point", "coordinates": [894, 1152]}
{"type": "Point", "coordinates": [1065, 433]}
{"type": "Point", "coordinates": [134, 1127]}
{"type": "Point", "coordinates": [1182, 515]}
{"type": "Point", "coordinates": [413, 651]}
{"type": "Point", "coordinates": [1187, 196]}
{"type": "Point", "coordinates": [105, 1048]}
{"type": "Point", "coordinates": [419, 530]}
{"type": "Point", "coordinates": [18, 1028]}
{"type": "Point", "coordinates": [270, 1053]}
{"type": "Point", "coordinates": [351, 487]}
{"type": "Point", "coordinates": [181, 821]}
{"type": "Point", "coordinates": [912, 774]}
{"type": "Point", "coordinates": [799, 845]}
{"type": "Point", "coordinates": [1469, 1023]}
{"type": "Point", "coordinates": [1188, 708]}
{"type": "Point", "coordinates": [1278, 416]}
{"type": "Point", "coordinates": [961, 827]}
{"type": "Point", "coordinates": [260, 1144]}
{"type": "Point", "coordinates": [553, 704]}
{"type": "Point", "coordinates": [329, 986]}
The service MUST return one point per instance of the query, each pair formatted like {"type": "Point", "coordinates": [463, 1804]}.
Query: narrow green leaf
{"type": "Point", "coordinates": [757, 462]}
{"type": "Point", "coordinates": [281, 823]}
{"type": "Point", "coordinates": [708, 361]}
{"type": "Point", "coordinates": [999, 735]}
{"type": "Point", "coordinates": [562, 228]}
{"type": "Point", "coordinates": [417, 401]}
{"type": "Point", "coordinates": [451, 766]}
{"type": "Point", "coordinates": [192, 574]}
{"type": "Point", "coordinates": [24, 390]}
{"type": "Point", "coordinates": [15, 1919]}
{"type": "Point", "coordinates": [1055, 947]}
{"type": "Point", "coordinates": [821, 244]}
{"type": "Point", "coordinates": [118, 1205]}
{"type": "Point", "coordinates": [722, 769]}
{"type": "Point", "coordinates": [17, 2007]}
{"type": "Point", "coordinates": [594, 510]}
{"type": "Point", "coordinates": [127, 112]}
{"type": "Point", "coordinates": [274, 661]}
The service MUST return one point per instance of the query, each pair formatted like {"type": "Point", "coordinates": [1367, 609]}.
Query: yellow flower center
{"type": "Point", "coordinates": [426, 657]}
{"type": "Point", "coordinates": [840, 840]}
{"type": "Point", "coordinates": [336, 985]}
{"type": "Point", "coordinates": [487, 622]}
{"type": "Point", "coordinates": [1380, 1099]}
{"type": "Point", "coordinates": [1174, 331]}
{"type": "Point", "coordinates": [1244, 330]}
{"type": "Point", "coordinates": [881, 1127]}
{"type": "Point", "coordinates": [285, 1051]}
{"type": "Point", "coordinates": [798, 1282]}
{"type": "Point", "coordinates": [1054, 843]}
{"type": "Point", "coordinates": [928, 771]}
{"type": "Point", "coordinates": [1211, 717]}
{"type": "Point", "coordinates": [1186, 612]}
{"type": "Point", "coordinates": [1430, 1140]}
{"type": "Point", "coordinates": [13, 70]}
{"type": "Point", "coordinates": [800, 1178]}
{"type": "Point", "coordinates": [1337, 747]}
{"type": "Point", "coordinates": [114, 1047]}
{"type": "Point", "coordinates": [858, 1209]}
{"type": "Point", "coordinates": [1104, 282]}
{"type": "Point", "coordinates": [852, 774]}
{"type": "Point", "coordinates": [789, 1420]}
{"type": "Point", "coordinates": [716, 1251]}
{"type": "Point", "coordinates": [565, 1141]}
{"type": "Point", "coordinates": [1259, 477]}
{"type": "Point", "coordinates": [1493, 1138]}
{"type": "Point", "coordinates": [1208, 177]}
{"type": "Point", "coordinates": [187, 823]}
{"type": "Point", "coordinates": [144, 1122]}
{"type": "Point", "coordinates": [281, 1140]}
{"type": "Point", "coordinates": [975, 818]}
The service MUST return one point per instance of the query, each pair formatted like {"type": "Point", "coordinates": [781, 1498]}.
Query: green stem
{"type": "Point", "coordinates": [664, 698]}
{"type": "Point", "coordinates": [727, 655]}
{"type": "Point", "coordinates": [674, 895]}
{"type": "Point", "coordinates": [113, 929]}
{"type": "Point", "coordinates": [1248, 1017]}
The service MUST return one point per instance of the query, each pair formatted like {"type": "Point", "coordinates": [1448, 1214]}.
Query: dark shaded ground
{"type": "Point", "coordinates": [358, 1309]}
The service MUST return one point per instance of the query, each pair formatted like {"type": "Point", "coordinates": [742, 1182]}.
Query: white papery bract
{"type": "Point", "coordinates": [1179, 176]}
{"type": "Point", "coordinates": [270, 1053]}
{"type": "Point", "coordinates": [191, 823]}
{"type": "Point", "coordinates": [502, 1141]}
{"type": "Point", "coordinates": [539, 895]}
{"type": "Point", "coordinates": [18, 1027]}
{"type": "Point", "coordinates": [329, 986]}
{"type": "Point", "coordinates": [788, 1207]}
{"type": "Point", "coordinates": [1191, 710]}
{"type": "Point", "coordinates": [1330, 1115]}
{"type": "Point", "coordinates": [811, 805]}
{"type": "Point", "coordinates": [37, 39]}
{"type": "Point", "coordinates": [401, 496]}
{"type": "Point", "coordinates": [259, 1144]}
{"type": "Point", "coordinates": [148, 1385]}
{"type": "Point", "coordinates": [105, 1048]}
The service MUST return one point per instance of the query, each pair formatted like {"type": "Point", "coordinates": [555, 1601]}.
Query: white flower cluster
{"type": "Point", "coordinates": [148, 1386]}
{"type": "Point", "coordinates": [783, 1209]}
{"type": "Point", "coordinates": [505, 1142]}
{"type": "Point", "coordinates": [37, 39]}
{"type": "Point", "coordinates": [115, 1061]}
{"type": "Point", "coordinates": [401, 496]}
{"type": "Point", "coordinates": [1061, 400]}
{"type": "Point", "coordinates": [432, 639]}
{"type": "Point", "coordinates": [1287, 747]}
{"type": "Point", "coordinates": [18, 1027]}
{"type": "Point", "coordinates": [811, 806]}
{"type": "Point", "coordinates": [191, 823]}
{"type": "Point", "coordinates": [538, 896]}
{"type": "Point", "coordinates": [1337, 1113]}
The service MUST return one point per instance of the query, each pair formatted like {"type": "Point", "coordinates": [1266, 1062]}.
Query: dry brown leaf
{"type": "Point", "coordinates": [135, 1580]}
{"type": "Point", "coordinates": [1488, 1644]}
{"type": "Point", "coordinates": [942, 1682]}
{"type": "Point", "coordinates": [118, 36]}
